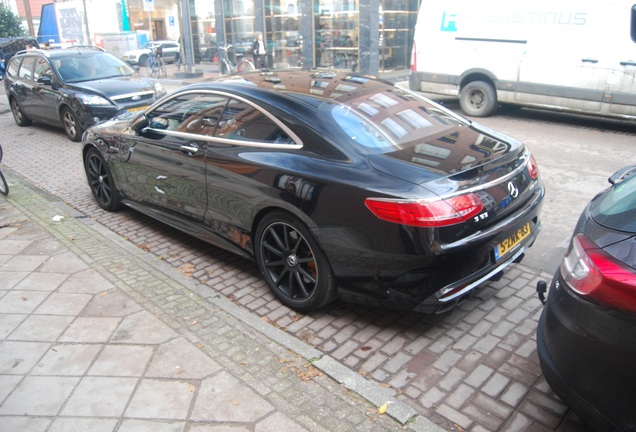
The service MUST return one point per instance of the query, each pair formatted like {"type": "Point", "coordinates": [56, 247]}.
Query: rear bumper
{"type": "Point", "coordinates": [585, 356]}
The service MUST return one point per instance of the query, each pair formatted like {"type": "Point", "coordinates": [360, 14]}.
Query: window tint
{"type": "Point", "coordinates": [26, 69]}
{"type": "Point", "coordinates": [42, 68]}
{"type": "Point", "coordinates": [243, 122]}
{"type": "Point", "coordinates": [14, 65]}
{"type": "Point", "coordinates": [193, 113]}
{"type": "Point", "coordinates": [616, 208]}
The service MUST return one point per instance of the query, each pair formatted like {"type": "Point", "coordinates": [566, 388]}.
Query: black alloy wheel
{"type": "Point", "coordinates": [101, 181]}
{"type": "Point", "coordinates": [293, 264]}
{"type": "Point", "coordinates": [71, 125]}
{"type": "Point", "coordinates": [18, 115]}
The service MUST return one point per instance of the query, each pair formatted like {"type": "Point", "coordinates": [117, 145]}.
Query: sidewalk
{"type": "Point", "coordinates": [98, 335]}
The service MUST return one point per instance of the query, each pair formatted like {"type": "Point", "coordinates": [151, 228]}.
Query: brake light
{"type": "Point", "coordinates": [533, 168]}
{"type": "Point", "coordinates": [436, 213]}
{"type": "Point", "coordinates": [596, 275]}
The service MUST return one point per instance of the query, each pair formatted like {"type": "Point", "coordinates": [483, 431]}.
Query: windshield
{"type": "Point", "coordinates": [90, 66]}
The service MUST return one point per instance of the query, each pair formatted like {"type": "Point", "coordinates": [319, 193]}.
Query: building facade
{"type": "Point", "coordinates": [368, 36]}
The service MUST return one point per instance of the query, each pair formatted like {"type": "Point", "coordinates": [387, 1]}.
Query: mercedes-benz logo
{"type": "Point", "coordinates": [513, 190]}
{"type": "Point", "coordinates": [292, 260]}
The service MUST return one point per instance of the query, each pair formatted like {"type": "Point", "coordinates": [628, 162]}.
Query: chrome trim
{"type": "Point", "coordinates": [481, 280]}
{"type": "Point", "coordinates": [288, 131]}
{"type": "Point", "coordinates": [125, 96]}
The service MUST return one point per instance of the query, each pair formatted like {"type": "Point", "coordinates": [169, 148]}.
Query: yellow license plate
{"type": "Point", "coordinates": [508, 244]}
{"type": "Point", "coordinates": [137, 108]}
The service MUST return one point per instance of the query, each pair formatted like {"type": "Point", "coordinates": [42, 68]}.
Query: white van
{"type": "Point", "coordinates": [577, 56]}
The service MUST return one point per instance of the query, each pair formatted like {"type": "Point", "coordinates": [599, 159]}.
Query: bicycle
{"type": "Point", "coordinates": [228, 67]}
{"type": "Point", "coordinates": [154, 66]}
{"type": "Point", "coordinates": [4, 186]}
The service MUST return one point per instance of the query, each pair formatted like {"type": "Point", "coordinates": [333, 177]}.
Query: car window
{"type": "Point", "coordinates": [42, 69]}
{"type": "Point", "coordinates": [616, 208]}
{"type": "Point", "coordinates": [244, 122]}
{"type": "Point", "coordinates": [26, 69]}
{"type": "Point", "coordinates": [193, 113]}
{"type": "Point", "coordinates": [14, 66]}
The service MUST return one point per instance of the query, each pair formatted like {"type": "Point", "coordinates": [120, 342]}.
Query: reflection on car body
{"type": "Point", "coordinates": [335, 184]}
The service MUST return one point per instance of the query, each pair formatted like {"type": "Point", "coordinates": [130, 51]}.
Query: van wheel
{"type": "Point", "coordinates": [478, 99]}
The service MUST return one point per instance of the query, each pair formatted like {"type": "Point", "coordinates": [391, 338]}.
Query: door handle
{"type": "Point", "coordinates": [628, 63]}
{"type": "Point", "coordinates": [189, 149]}
{"type": "Point", "coordinates": [589, 60]}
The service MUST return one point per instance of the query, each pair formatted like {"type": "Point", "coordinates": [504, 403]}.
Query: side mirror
{"type": "Point", "coordinates": [622, 174]}
{"type": "Point", "coordinates": [45, 80]}
{"type": "Point", "coordinates": [139, 122]}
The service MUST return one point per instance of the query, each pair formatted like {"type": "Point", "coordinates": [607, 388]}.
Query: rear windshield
{"type": "Point", "coordinates": [616, 208]}
{"type": "Point", "coordinates": [386, 120]}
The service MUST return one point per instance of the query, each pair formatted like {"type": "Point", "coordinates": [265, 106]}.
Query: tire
{"type": "Point", "coordinates": [292, 263]}
{"type": "Point", "coordinates": [143, 61]}
{"type": "Point", "coordinates": [478, 99]}
{"type": "Point", "coordinates": [4, 186]}
{"type": "Point", "coordinates": [71, 125]}
{"type": "Point", "coordinates": [18, 114]}
{"type": "Point", "coordinates": [101, 181]}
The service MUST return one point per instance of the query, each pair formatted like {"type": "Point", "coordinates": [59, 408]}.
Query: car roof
{"type": "Point", "coordinates": [64, 52]}
{"type": "Point", "coordinates": [310, 87]}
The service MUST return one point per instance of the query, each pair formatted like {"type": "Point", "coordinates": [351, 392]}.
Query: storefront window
{"type": "Point", "coordinates": [282, 25]}
{"type": "Point", "coordinates": [206, 29]}
{"type": "Point", "coordinates": [397, 25]}
{"type": "Point", "coordinates": [238, 19]}
{"type": "Point", "coordinates": [338, 32]}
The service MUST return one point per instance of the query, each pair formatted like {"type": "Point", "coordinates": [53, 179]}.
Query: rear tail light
{"type": "Point", "coordinates": [533, 168]}
{"type": "Point", "coordinates": [436, 213]}
{"type": "Point", "coordinates": [597, 276]}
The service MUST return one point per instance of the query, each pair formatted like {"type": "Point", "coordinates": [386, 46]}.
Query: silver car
{"type": "Point", "coordinates": [169, 52]}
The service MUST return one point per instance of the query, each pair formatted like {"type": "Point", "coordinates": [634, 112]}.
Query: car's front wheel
{"type": "Point", "coordinates": [18, 114]}
{"type": "Point", "coordinates": [71, 125]}
{"type": "Point", "coordinates": [292, 263]}
{"type": "Point", "coordinates": [101, 181]}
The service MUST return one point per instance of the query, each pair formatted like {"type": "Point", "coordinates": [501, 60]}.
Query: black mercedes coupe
{"type": "Point", "coordinates": [335, 184]}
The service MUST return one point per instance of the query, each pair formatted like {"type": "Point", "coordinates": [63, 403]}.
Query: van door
{"type": "Point", "coordinates": [622, 82]}
{"type": "Point", "coordinates": [564, 65]}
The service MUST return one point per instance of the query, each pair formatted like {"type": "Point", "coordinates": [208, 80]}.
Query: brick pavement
{"type": "Point", "coordinates": [474, 368]}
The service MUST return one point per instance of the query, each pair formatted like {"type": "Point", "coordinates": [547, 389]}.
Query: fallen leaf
{"type": "Point", "coordinates": [187, 269]}
{"type": "Point", "coordinates": [366, 348]}
{"type": "Point", "coordinates": [383, 408]}
{"type": "Point", "coordinates": [235, 402]}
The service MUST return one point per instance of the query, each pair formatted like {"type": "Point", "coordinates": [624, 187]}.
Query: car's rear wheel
{"type": "Point", "coordinates": [292, 263]}
{"type": "Point", "coordinates": [143, 61]}
{"type": "Point", "coordinates": [18, 114]}
{"type": "Point", "coordinates": [71, 125]}
{"type": "Point", "coordinates": [478, 99]}
{"type": "Point", "coordinates": [101, 181]}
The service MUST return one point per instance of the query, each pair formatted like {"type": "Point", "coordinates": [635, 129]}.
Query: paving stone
{"type": "Point", "coordinates": [67, 359]}
{"type": "Point", "coordinates": [122, 360]}
{"type": "Point", "coordinates": [100, 397]}
{"type": "Point", "coordinates": [62, 424]}
{"type": "Point", "coordinates": [180, 359]}
{"type": "Point", "coordinates": [41, 396]}
{"type": "Point", "coordinates": [159, 399]}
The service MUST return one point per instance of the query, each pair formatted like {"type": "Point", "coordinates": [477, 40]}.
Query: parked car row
{"type": "Point", "coordinates": [344, 186]}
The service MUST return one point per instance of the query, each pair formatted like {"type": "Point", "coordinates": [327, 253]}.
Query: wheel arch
{"type": "Point", "coordinates": [291, 210]}
{"type": "Point", "coordinates": [478, 74]}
